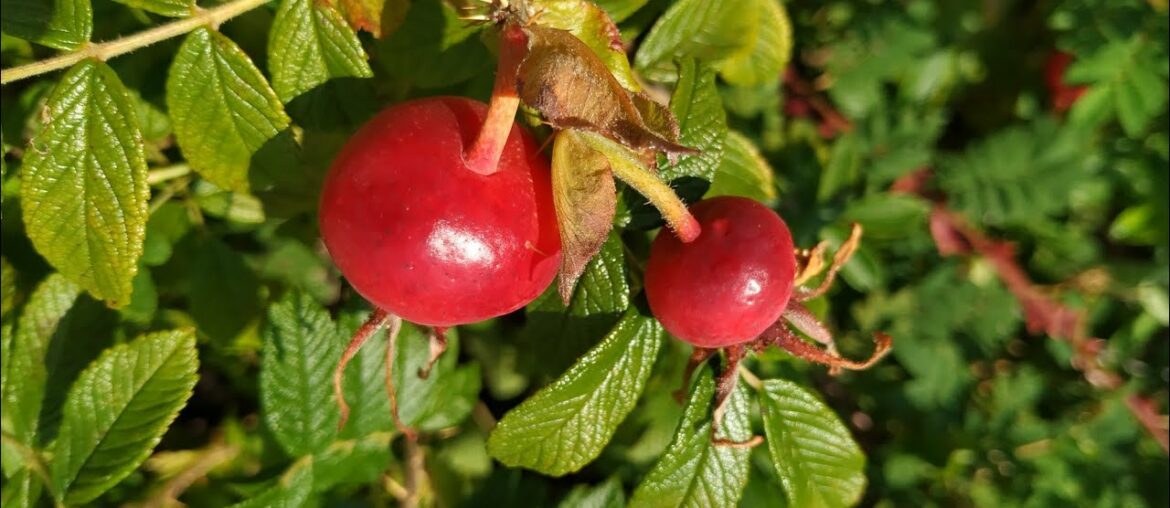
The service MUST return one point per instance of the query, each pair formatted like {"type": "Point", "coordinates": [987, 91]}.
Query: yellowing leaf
{"type": "Point", "coordinates": [379, 17]}
{"type": "Point", "coordinates": [585, 198]}
{"type": "Point", "coordinates": [763, 61]}
{"type": "Point", "coordinates": [84, 194]}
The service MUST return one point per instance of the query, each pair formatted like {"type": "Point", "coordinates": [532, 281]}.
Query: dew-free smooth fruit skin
{"type": "Point", "coordinates": [419, 235]}
{"type": "Point", "coordinates": [728, 285]}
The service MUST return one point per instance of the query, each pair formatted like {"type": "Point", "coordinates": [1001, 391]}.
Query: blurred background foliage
{"type": "Point", "coordinates": [1030, 375]}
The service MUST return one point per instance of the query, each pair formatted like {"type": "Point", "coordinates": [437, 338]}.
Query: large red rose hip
{"type": "Point", "coordinates": [420, 235]}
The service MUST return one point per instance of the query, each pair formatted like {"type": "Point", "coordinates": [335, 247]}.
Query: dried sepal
{"type": "Point", "coordinates": [779, 335]}
{"type": "Point", "coordinates": [584, 195]}
{"type": "Point", "coordinates": [839, 259]}
{"type": "Point", "coordinates": [593, 26]}
{"type": "Point", "coordinates": [564, 80]}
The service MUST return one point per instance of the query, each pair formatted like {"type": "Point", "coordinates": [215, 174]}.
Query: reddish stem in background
{"type": "Point", "coordinates": [954, 236]}
{"type": "Point", "coordinates": [483, 156]}
{"type": "Point", "coordinates": [832, 121]}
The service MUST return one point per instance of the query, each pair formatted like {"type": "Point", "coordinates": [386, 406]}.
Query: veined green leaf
{"type": "Point", "coordinates": [118, 410]}
{"type": "Point", "coordinates": [172, 8]}
{"type": "Point", "coordinates": [379, 17]}
{"type": "Point", "coordinates": [60, 24]}
{"type": "Point", "coordinates": [443, 399]}
{"type": "Point", "coordinates": [601, 296]}
{"type": "Point", "coordinates": [223, 110]}
{"type": "Point", "coordinates": [7, 287]}
{"type": "Point", "coordinates": [352, 461]}
{"type": "Point", "coordinates": [702, 122]}
{"type": "Point", "coordinates": [301, 349]}
{"type": "Point", "coordinates": [24, 371]}
{"type": "Point", "coordinates": [819, 463]}
{"type": "Point", "coordinates": [309, 44]}
{"type": "Point", "coordinates": [765, 58]}
{"type": "Point", "coordinates": [709, 30]}
{"type": "Point", "coordinates": [693, 471]}
{"type": "Point", "coordinates": [565, 426]}
{"type": "Point", "coordinates": [608, 494]}
{"type": "Point", "coordinates": [365, 383]}
{"type": "Point", "coordinates": [84, 194]}
{"type": "Point", "coordinates": [743, 172]}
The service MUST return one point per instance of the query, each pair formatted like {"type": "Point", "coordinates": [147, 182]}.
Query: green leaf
{"type": "Point", "coordinates": [172, 8]}
{"type": "Point", "coordinates": [1128, 72]}
{"type": "Point", "coordinates": [433, 48]}
{"type": "Point", "coordinates": [709, 30]}
{"type": "Point", "coordinates": [84, 194]}
{"type": "Point", "coordinates": [60, 24]}
{"type": "Point", "coordinates": [352, 461]}
{"type": "Point", "coordinates": [224, 297]}
{"type": "Point", "coordinates": [118, 410]}
{"type": "Point", "coordinates": [1018, 175]}
{"type": "Point", "coordinates": [292, 489]}
{"type": "Point", "coordinates": [22, 490]}
{"type": "Point", "coordinates": [379, 17]}
{"type": "Point", "coordinates": [301, 348]}
{"type": "Point", "coordinates": [592, 25]}
{"type": "Point", "coordinates": [819, 463]}
{"type": "Point", "coordinates": [743, 172]}
{"type": "Point", "coordinates": [888, 215]}
{"type": "Point", "coordinates": [25, 350]}
{"type": "Point", "coordinates": [567, 424]}
{"type": "Point", "coordinates": [365, 383]}
{"type": "Point", "coordinates": [223, 110]}
{"type": "Point", "coordinates": [693, 471]}
{"type": "Point", "coordinates": [7, 287]}
{"type": "Point", "coordinates": [620, 9]}
{"type": "Point", "coordinates": [608, 494]}
{"type": "Point", "coordinates": [446, 397]}
{"type": "Point", "coordinates": [308, 45]}
{"type": "Point", "coordinates": [702, 122]}
{"type": "Point", "coordinates": [601, 296]}
{"type": "Point", "coordinates": [764, 60]}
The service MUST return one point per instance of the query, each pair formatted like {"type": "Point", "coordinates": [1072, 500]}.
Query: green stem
{"type": "Point", "coordinates": [626, 166]}
{"type": "Point", "coordinates": [107, 50]}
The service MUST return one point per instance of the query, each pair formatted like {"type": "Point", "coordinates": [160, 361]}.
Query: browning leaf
{"type": "Point", "coordinates": [379, 17]}
{"type": "Point", "coordinates": [563, 79]}
{"type": "Point", "coordinates": [593, 26]}
{"type": "Point", "coordinates": [585, 199]}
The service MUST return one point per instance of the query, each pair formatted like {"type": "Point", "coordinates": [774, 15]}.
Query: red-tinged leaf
{"type": "Point", "coordinates": [379, 17]}
{"type": "Point", "coordinates": [593, 26]}
{"type": "Point", "coordinates": [564, 80]}
{"type": "Point", "coordinates": [585, 198]}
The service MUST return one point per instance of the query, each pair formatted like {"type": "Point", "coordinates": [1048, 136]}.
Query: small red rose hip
{"type": "Point", "coordinates": [728, 285]}
{"type": "Point", "coordinates": [423, 237]}
{"type": "Point", "coordinates": [1063, 95]}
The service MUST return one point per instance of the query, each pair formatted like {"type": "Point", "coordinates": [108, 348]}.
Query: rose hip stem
{"type": "Point", "coordinates": [483, 156]}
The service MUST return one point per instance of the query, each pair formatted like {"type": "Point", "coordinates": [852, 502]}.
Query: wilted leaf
{"type": "Point", "coordinates": [223, 110]}
{"type": "Point", "coordinates": [585, 196]}
{"type": "Point", "coordinates": [60, 24]}
{"type": "Point", "coordinates": [693, 471]}
{"type": "Point", "coordinates": [565, 426]}
{"type": "Point", "coordinates": [816, 457]}
{"type": "Point", "coordinates": [592, 25]}
{"type": "Point", "coordinates": [118, 410]}
{"type": "Point", "coordinates": [308, 45]}
{"type": "Point", "coordinates": [301, 348]}
{"type": "Point", "coordinates": [379, 17]}
{"type": "Point", "coordinates": [572, 88]}
{"type": "Point", "coordinates": [84, 195]}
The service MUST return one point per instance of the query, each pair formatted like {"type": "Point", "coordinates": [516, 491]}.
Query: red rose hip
{"type": "Point", "coordinates": [420, 235]}
{"type": "Point", "coordinates": [728, 285]}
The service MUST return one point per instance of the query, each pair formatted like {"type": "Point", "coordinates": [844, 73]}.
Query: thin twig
{"type": "Point", "coordinates": [415, 473]}
{"type": "Point", "coordinates": [107, 50]}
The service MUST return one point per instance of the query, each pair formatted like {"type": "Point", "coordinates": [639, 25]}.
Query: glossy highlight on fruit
{"type": "Point", "coordinates": [728, 285]}
{"type": "Point", "coordinates": [421, 236]}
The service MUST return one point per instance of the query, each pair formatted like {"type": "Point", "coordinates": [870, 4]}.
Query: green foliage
{"type": "Point", "coordinates": [170, 323]}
